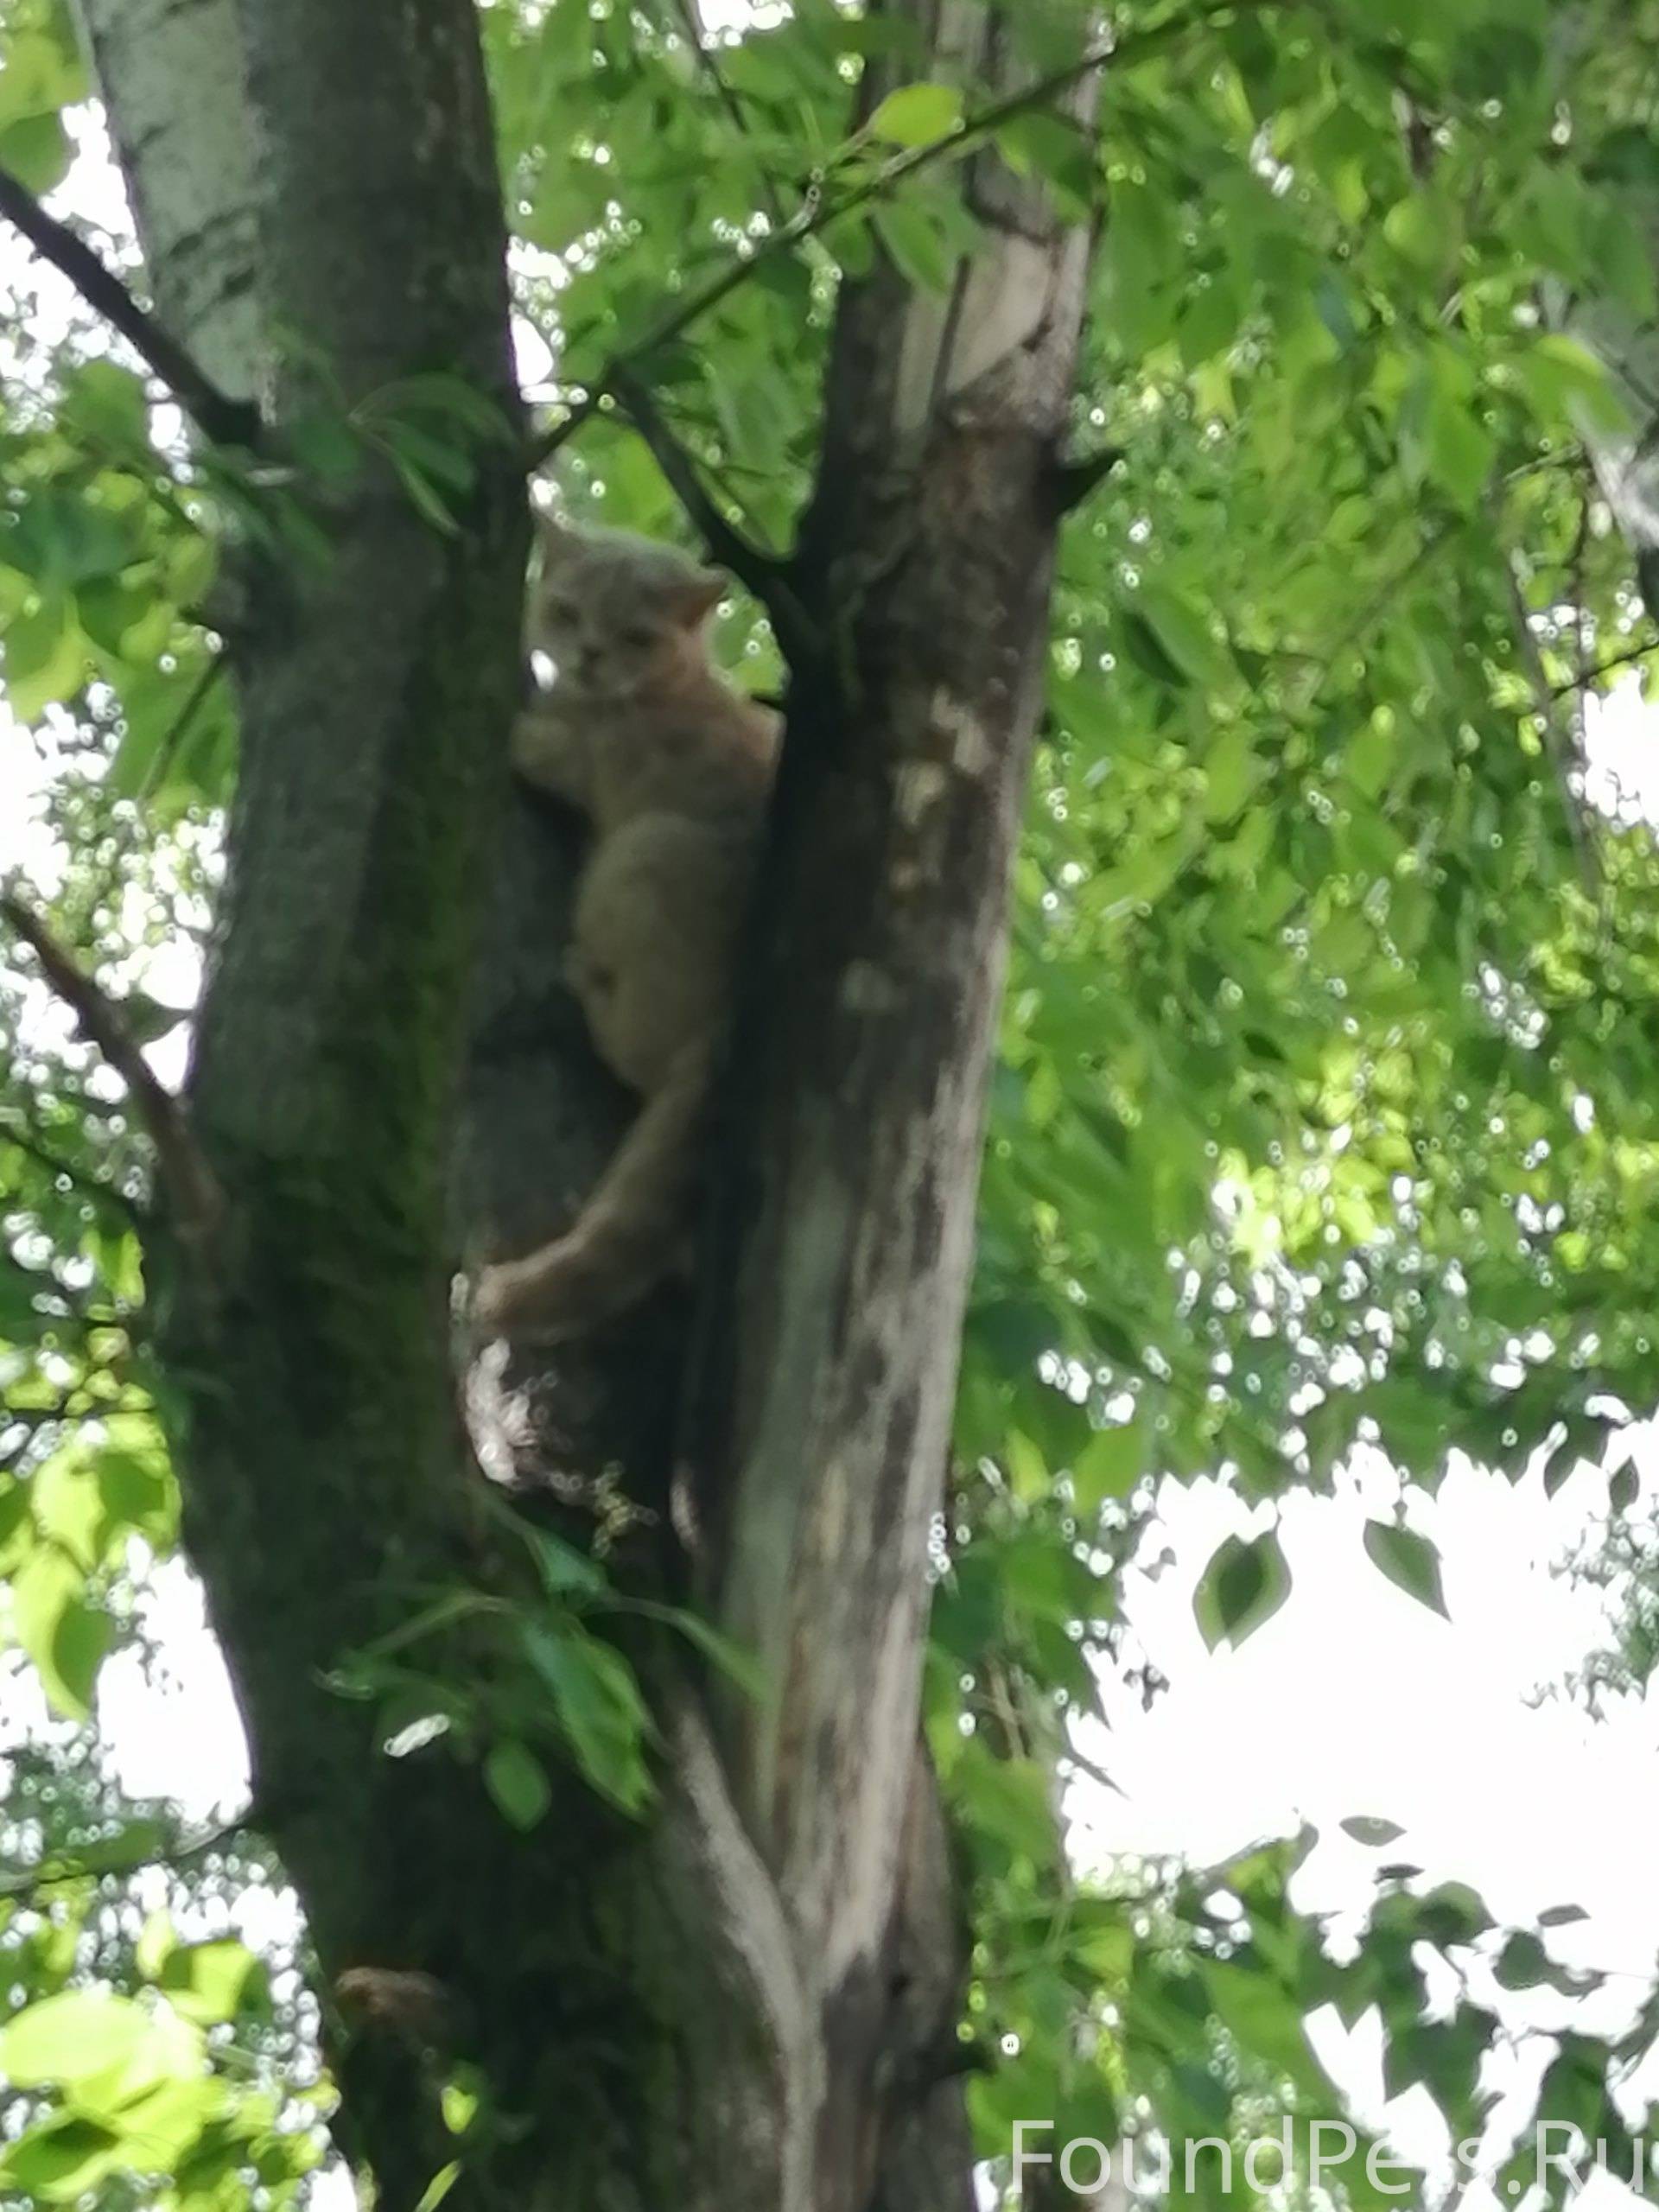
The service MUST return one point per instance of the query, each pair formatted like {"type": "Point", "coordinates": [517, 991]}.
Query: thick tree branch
{"type": "Point", "coordinates": [226, 421]}
{"type": "Point", "coordinates": [197, 1205]}
{"type": "Point", "coordinates": [763, 573]}
{"type": "Point", "coordinates": [747, 561]}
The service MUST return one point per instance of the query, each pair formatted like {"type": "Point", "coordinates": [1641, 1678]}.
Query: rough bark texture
{"type": "Point", "coordinates": [747, 2004]}
{"type": "Point", "coordinates": [188, 165]}
{"type": "Point", "coordinates": [825, 1398]}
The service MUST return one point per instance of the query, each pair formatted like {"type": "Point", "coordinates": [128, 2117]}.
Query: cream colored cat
{"type": "Point", "coordinates": [672, 767]}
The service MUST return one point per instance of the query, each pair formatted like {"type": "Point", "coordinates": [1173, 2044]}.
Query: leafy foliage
{"type": "Point", "coordinates": [138, 2056]}
{"type": "Point", "coordinates": [496, 1678]}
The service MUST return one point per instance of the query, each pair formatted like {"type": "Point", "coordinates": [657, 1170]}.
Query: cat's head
{"type": "Point", "coordinates": [620, 617]}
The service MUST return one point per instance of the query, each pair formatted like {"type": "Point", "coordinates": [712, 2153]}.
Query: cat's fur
{"type": "Point", "coordinates": [672, 768]}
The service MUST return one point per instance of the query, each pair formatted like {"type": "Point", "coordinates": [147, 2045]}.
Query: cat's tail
{"type": "Point", "coordinates": [630, 1233]}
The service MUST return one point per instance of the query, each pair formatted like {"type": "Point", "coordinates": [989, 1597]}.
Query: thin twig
{"type": "Point", "coordinates": [819, 209]}
{"type": "Point", "coordinates": [197, 1200]}
{"type": "Point", "coordinates": [1092, 1769]}
{"type": "Point", "coordinates": [1563, 752]}
{"type": "Point", "coordinates": [195, 699]}
{"type": "Point", "coordinates": [1581, 629]}
{"type": "Point", "coordinates": [90, 1186]}
{"type": "Point", "coordinates": [747, 561]}
{"type": "Point", "coordinates": [1594, 673]}
{"type": "Point", "coordinates": [1433, 541]}
{"type": "Point", "coordinates": [703, 54]}
{"type": "Point", "coordinates": [33, 1420]}
{"type": "Point", "coordinates": [226, 421]}
{"type": "Point", "coordinates": [764, 574]}
{"type": "Point", "coordinates": [582, 410]}
{"type": "Point", "coordinates": [58, 1872]}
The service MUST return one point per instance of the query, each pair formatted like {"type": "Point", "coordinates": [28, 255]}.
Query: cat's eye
{"type": "Point", "coordinates": [637, 636]}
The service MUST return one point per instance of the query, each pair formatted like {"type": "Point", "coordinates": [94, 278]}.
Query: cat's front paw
{"type": "Point", "coordinates": [523, 1300]}
{"type": "Point", "coordinates": [497, 1300]}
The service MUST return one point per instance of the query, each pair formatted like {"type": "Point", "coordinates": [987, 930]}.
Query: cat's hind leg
{"type": "Point", "coordinates": [630, 1234]}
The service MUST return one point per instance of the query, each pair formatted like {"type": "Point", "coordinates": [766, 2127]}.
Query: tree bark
{"type": "Point", "coordinates": [176, 97]}
{"type": "Point", "coordinates": [748, 2002]}
{"type": "Point", "coordinates": [1622, 457]}
{"type": "Point", "coordinates": [821, 1416]}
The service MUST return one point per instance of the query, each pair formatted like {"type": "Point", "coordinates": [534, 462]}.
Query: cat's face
{"type": "Point", "coordinates": [620, 617]}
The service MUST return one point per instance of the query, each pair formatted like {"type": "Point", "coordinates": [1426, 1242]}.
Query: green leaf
{"type": "Point", "coordinates": [1418, 229]}
{"type": "Point", "coordinates": [915, 114]}
{"type": "Point", "coordinates": [64, 538]}
{"type": "Point", "coordinates": [739, 1666]}
{"type": "Point", "coordinates": [43, 75]}
{"type": "Point", "coordinates": [1265, 2019]}
{"type": "Point", "coordinates": [1367, 1828]}
{"type": "Point", "coordinates": [67, 1508]}
{"type": "Point", "coordinates": [63, 2159]}
{"type": "Point", "coordinates": [1045, 146]}
{"type": "Point", "coordinates": [36, 151]}
{"type": "Point", "coordinates": [1562, 1916]}
{"type": "Point", "coordinates": [1408, 1559]}
{"type": "Point", "coordinates": [1456, 446]}
{"type": "Point", "coordinates": [1185, 635]}
{"type": "Point", "coordinates": [159, 2126]}
{"type": "Point", "coordinates": [1525, 1964]}
{"type": "Point", "coordinates": [565, 1571]}
{"type": "Point", "coordinates": [1007, 1800]}
{"type": "Point", "coordinates": [1109, 1466]}
{"type": "Point", "coordinates": [138, 1493]}
{"type": "Point", "coordinates": [1145, 647]}
{"type": "Point", "coordinates": [107, 404]}
{"type": "Point", "coordinates": [424, 495]}
{"type": "Point", "coordinates": [211, 1982]}
{"type": "Point", "coordinates": [45, 658]}
{"type": "Point", "coordinates": [517, 1782]}
{"type": "Point", "coordinates": [1568, 388]}
{"type": "Point", "coordinates": [60, 1632]}
{"type": "Point", "coordinates": [461, 2106]}
{"type": "Point", "coordinates": [73, 2036]}
{"type": "Point", "coordinates": [917, 246]}
{"type": "Point", "coordinates": [1244, 1585]}
{"type": "Point", "coordinates": [599, 1711]}
{"type": "Point", "coordinates": [439, 2187]}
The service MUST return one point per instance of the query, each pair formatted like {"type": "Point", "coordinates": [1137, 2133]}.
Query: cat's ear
{"type": "Point", "coordinates": [697, 597]}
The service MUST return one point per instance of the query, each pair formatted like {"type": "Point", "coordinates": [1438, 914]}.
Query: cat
{"type": "Point", "coordinates": [673, 769]}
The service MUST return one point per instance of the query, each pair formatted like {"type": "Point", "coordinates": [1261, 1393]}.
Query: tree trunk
{"type": "Point", "coordinates": [1621, 335]}
{"type": "Point", "coordinates": [823, 1402]}
{"type": "Point", "coordinates": [748, 2002]}
{"type": "Point", "coordinates": [175, 96]}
